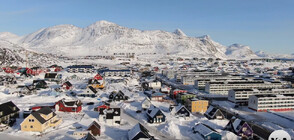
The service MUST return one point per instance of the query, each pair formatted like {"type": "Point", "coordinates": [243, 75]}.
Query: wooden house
{"type": "Point", "coordinates": [174, 93]}
{"type": "Point", "coordinates": [214, 113]}
{"type": "Point", "coordinates": [52, 77]}
{"type": "Point", "coordinates": [8, 112]}
{"type": "Point", "coordinates": [68, 105]}
{"type": "Point", "coordinates": [95, 129]}
{"type": "Point", "coordinates": [102, 107]}
{"type": "Point", "coordinates": [118, 96]}
{"type": "Point", "coordinates": [183, 97]}
{"type": "Point", "coordinates": [240, 128]}
{"type": "Point", "coordinates": [89, 92]}
{"type": "Point", "coordinates": [111, 116]}
{"type": "Point", "coordinates": [206, 132]}
{"type": "Point", "coordinates": [39, 121]}
{"type": "Point", "coordinates": [89, 136]}
{"type": "Point", "coordinates": [155, 115]}
{"type": "Point", "coordinates": [139, 132]}
{"type": "Point", "coordinates": [67, 85]}
{"type": "Point", "coordinates": [146, 104]}
{"type": "Point", "coordinates": [28, 90]}
{"type": "Point", "coordinates": [40, 84]}
{"type": "Point", "coordinates": [180, 111]}
{"type": "Point", "coordinates": [97, 84]}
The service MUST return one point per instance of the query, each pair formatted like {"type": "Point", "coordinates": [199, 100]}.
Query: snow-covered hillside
{"type": "Point", "coordinates": [13, 54]}
{"type": "Point", "coordinates": [240, 51]}
{"type": "Point", "coordinates": [106, 38]}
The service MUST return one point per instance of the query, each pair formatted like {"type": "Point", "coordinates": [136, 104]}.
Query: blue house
{"type": "Point", "coordinates": [206, 132]}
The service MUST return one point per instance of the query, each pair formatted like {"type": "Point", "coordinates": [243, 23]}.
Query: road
{"type": "Point", "coordinates": [152, 130]}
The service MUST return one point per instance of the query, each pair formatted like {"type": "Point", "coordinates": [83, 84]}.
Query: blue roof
{"type": "Point", "coordinates": [108, 70]}
{"type": "Point", "coordinates": [80, 66]}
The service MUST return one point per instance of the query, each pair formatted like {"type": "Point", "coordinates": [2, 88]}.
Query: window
{"type": "Point", "coordinates": [32, 126]}
{"type": "Point", "coordinates": [31, 120]}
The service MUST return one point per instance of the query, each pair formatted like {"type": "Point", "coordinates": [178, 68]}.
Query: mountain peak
{"type": "Point", "coordinates": [103, 23]}
{"type": "Point", "coordinates": [179, 32]}
{"type": "Point", "coordinates": [207, 37]}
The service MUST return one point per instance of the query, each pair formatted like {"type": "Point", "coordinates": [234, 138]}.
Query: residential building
{"type": "Point", "coordinates": [214, 113]}
{"type": "Point", "coordinates": [224, 87]}
{"type": "Point", "coordinates": [155, 115]}
{"type": "Point", "coordinates": [206, 132]}
{"type": "Point", "coordinates": [80, 69]}
{"type": "Point", "coordinates": [8, 112]}
{"type": "Point", "coordinates": [241, 96]}
{"type": "Point", "coordinates": [68, 105]}
{"type": "Point", "coordinates": [197, 105]}
{"type": "Point", "coordinates": [265, 102]}
{"type": "Point", "coordinates": [182, 97]}
{"type": "Point", "coordinates": [39, 121]}
{"type": "Point", "coordinates": [139, 132]}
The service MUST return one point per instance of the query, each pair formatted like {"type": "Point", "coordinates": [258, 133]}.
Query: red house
{"type": "Point", "coordinates": [67, 85]}
{"type": "Point", "coordinates": [98, 77]}
{"type": "Point", "coordinates": [176, 91]}
{"type": "Point", "coordinates": [102, 107]}
{"type": "Point", "coordinates": [68, 106]}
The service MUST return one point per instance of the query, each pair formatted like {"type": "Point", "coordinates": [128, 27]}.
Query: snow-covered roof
{"type": "Point", "coordinates": [202, 129]}
{"type": "Point", "coordinates": [153, 112]}
{"type": "Point", "coordinates": [236, 123]}
{"type": "Point", "coordinates": [137, 129]}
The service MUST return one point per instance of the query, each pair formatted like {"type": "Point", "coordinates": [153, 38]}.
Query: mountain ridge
{"type": "Point", "coordinates": [105, 38]}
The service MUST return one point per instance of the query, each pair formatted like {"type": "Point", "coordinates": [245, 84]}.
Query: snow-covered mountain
{"type": "Point", "coordinates": [240, 51]}
{"type": "Point", "coordinates": [13, 54]}
{"type": "Point", "coordinates": [106, 38]}
{"type": "Point", "coordinates": [267, 55]}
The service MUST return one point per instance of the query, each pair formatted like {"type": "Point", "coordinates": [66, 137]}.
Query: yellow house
{"type": "Point", "coordinates": [97, 84]}
{"type": "Point", "coordinates": [39, 121]}
{"type": "Point", "coordinates": [196, 105]}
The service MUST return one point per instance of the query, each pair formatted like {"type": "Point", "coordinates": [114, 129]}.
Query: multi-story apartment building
{"type": "Point", "coordinates": [241, 96]}
{"type": "Point", "coordinates": [80, 69]}
{"type": "Point", "coordinates": [224, 87]}
{"type": "Point", "coordinates": [265, 102]}
{"type": "Point", "coordinates": [197, 105]}
{"type": "Point", "coordinates": [201, 81]}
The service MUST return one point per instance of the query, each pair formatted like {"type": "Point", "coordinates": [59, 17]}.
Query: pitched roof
{"type": "Point", "coordinates": [92, 89]}
{"type": "Point", "coordinates": [7, 108]}
{"type": "Point", "coordinates": [153, 112]}
{"type": "Point", "coordinates": [89, 136]}
{"type": "Point", "coordinates": [203, 129]}
{"type": "Point", "coordinates": [136, 130]}
{"type": "Point", "coordinates": [80, 66]}
{"type": "Point", "coordinates": [68, 83]}
{"type": "Point", "coordinates": [94, 123]}
{"type": "Point", "coordinates": [50, 75]}
{"type": "Point", "coordinates": [44, 110]}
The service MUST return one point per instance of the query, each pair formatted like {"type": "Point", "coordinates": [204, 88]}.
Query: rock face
{"type": "Point", "coordinates": [106, 38]}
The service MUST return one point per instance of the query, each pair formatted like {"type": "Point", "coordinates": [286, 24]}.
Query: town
{"type": "Point", "coordinates": [130, 97]}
